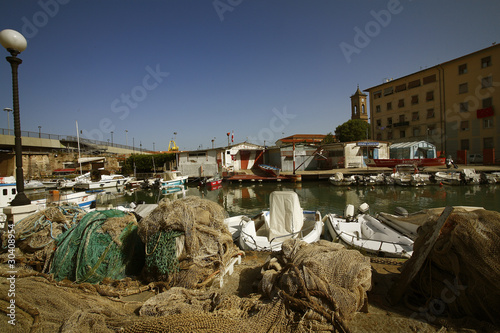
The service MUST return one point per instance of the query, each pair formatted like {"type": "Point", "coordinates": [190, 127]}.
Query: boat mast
{"type": "Point", "coordinates": [78, 139]}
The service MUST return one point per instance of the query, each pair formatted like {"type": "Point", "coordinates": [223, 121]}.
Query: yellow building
{"type": "Point", "coordinates": [451, 105]}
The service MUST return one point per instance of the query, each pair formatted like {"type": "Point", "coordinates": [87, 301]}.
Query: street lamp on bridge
{"type": "Point", "coordinates": [15, 43]}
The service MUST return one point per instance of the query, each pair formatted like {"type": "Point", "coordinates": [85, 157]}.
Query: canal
{"type": "Point", "coordinates": [251, 198]}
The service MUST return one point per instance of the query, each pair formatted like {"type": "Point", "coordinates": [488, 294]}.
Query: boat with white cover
{"type": "Point", "coordinates": [286, 219]}
{"type": "Point", "coordinates": [366, 233]}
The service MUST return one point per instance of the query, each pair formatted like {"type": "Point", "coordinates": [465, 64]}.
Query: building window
{"type": "Point", "coordinates": [414, 99]}
{"type": "Point", "coordinates": [431, 130]}
{"type": "Point", "coordinates": [486, 82]}
{"type": "Point", "coordinates": [464, 125]}
{"type": "Point", "coordinates": [414, 116]}
{"type": "Point", "coordinates": [485, 62]}
{"type": "Point", "coordinates": [379, 122]}
{"type": "Point", "coordinates": [464, 107]}
{"type": "Point", "coordinates": [462, 69]}
{"type": "Point", "coordinates": [402, 134]}
{"type": "Point", "coordinates": [488, 122]}
{"type": "Point", "coordinates": [389, 106]}
{"type": "Point", "coordinates": [401, 103]}
{"type": "Point", "coordinates": [488, 143]}
{"type": "Point", "coordinates": [388, 91]}
{"type": "Point", "coordinates": [414, 84]}
{"type": "Point", "coordinates": [429, 79]}
{"type": "Point", "coordinates": [363, 110]}
{"type": "Point", "coordinates": [463, 88]}
{"type": "Point", "coordinates": [389, 135]}
{"type": "Point", "coordinates": [377, 94]}
{"type": "Point", "coordinates": [429, 96]}
{"type": "Point", "coordinates": [389, 121]}
{"type": "Point", "coordinates": [430, 113]}
{"type": "Point", "coordinates": [401, 87]}
{"type": "Point", "coordinates": [464, 144]}
{"type": "Point", "coordinates": [379, 136]}
{"type": "Point", "coordinates": [416, 131]}
{"type": "Point", "coordinates": [487, 102]}
{"type": "Point", "coordinates": [377, 108]}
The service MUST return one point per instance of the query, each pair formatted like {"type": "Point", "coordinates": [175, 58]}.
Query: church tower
{"type": "Point", "coordinates": [358, 106]}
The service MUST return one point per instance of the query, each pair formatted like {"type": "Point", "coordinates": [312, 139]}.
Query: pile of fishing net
{"type": "Point", "coordinates": [104, 244]}
{"type": "Point", "coordinates": [36, 234]}
{"type": "Point", "coordinates": [460, 275]}
{"type": "Point", "coordinates": [186, 241]}
{"type": "Point", "coordinates": [327, 281]}
{"type": "Point", "coordinates": [306, 287]}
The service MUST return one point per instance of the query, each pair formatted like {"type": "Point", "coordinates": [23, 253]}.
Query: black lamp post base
{"type": "Point", "coordinates": [20, 200]}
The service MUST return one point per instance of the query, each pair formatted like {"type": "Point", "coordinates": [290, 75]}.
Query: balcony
{"type": "Point", "coordinates": [401, 124]}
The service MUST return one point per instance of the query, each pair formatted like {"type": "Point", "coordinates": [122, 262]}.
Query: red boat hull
{"type": "Point", "coordinates": [419, 162]}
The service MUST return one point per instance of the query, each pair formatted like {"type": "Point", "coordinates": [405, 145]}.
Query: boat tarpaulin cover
{"type": "Point", "coordinates": [286, 216]}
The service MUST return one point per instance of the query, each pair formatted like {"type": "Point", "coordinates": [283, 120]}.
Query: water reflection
{"type": "Point", "coordinates": [251, 198]}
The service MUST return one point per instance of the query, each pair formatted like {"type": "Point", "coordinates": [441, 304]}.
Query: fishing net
{"type": "Point", "coordinates": [186, 242]}
{"type": "Point", "coordinates": [104, 244]}
{"type": "Point", "coordinates": [461, 273]}
{"type": "Point", "coordinates": [37, 233]}
{"type": "Point", "coordinates": [186, 310]}
{"type": "Point", "coordinates": [323, 278]}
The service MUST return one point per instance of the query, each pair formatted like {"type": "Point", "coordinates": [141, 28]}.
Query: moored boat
{"type": "Point", "coordinates": [366, 233]}
{"type": "Point", "coordinates": [173, 178]}
{"type": "Point", "coordinates": [285, 219]}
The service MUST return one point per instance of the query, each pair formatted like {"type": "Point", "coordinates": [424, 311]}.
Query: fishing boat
{"type": "Point", "coordinates": [366, 233]}
{"type": "Point", "coordinates": [173, 178]}
{"type": "Point", "coordinates": [392, 162]}
{"type": "Point", "coordinates": [234, 224]}
{"type": "Point", "coordinates": [284, 220]}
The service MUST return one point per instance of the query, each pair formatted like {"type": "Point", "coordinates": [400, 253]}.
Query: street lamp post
{"type": "Point", "coordinates": [39, 131]}
{"type": "Point", "coordinates": [126, 138]}
{"type": "Point", "coordinates": [111, 138]}
{"type": "Point", "coordinates": [8, 120]}
{"type": "Point", "coordinates": [15, 43]}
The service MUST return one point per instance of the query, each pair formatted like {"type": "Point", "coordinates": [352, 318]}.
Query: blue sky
{"type": "Point", "coordinates": [262, 68]}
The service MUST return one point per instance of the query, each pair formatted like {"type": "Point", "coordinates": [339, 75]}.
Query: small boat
{"type": "Point", "coordinates": [173, 178]}
{"type": "Point", "coordinates": [338, 179]}
{"type": "Point", "coordinates": [285, 219]}
{"type": "Point", "coordinates": [408, 175]}
{"type": "Point", "coordinates": [214, 181]}
{"type": "Point", "coordinates": [366, 233]}
{"type": "Point", "coordinates": [419, 162]}
{"type": "Point", "coordinates": [471, 177]}
{"type": "Point", "coordinates": [448, 177]}
{"type": "Point", "coordinates": [106, 181]}
{"type": "Point", "coordinates": [271, 170]}
{"type": "Point", "coordinates": [33, 185]}
{"type": "Point", "coordinates": [234, 224]}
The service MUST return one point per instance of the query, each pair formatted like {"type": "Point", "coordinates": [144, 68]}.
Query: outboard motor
{"type": "Point", "coordinates": [400, 211]}
{"type": "Point", "coordinates": [349, 213]}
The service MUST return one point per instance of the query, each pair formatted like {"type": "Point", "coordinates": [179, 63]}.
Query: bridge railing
{"type": "Point", "coordinates": [69, 138]}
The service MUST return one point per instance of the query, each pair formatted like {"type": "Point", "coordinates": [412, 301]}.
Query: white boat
{"type": "Point", "coordinates": [471, 177]}
{"type": "Point", "coordinates": [33, 185]}
{"type": "Point", "coordinates": [338, 179]}
{"type": "Point", "coordinates": [106, 181]}
{"type": "Point", "coordinates": [448, 178]}
{"type": "Point", "coordinates": [285, 219]}
{"type": "Point", "coordinates": [408, 175]}
{"type": "Point", "coordinates": [366, 233]}
{"type": "Point", "coordinates": [173, 178]}
{"type": "Point", "coordinates": [234, 224]}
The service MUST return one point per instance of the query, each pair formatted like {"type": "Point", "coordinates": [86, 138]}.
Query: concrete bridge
{"type": "Point", "coordinates": [36, 142]}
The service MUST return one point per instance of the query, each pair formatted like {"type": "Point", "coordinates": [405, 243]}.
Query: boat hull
{"type": "Point", "coordinates": [368, 234]}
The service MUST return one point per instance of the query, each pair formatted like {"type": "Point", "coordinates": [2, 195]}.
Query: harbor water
{"type": "Point", "coordinates": [250, 198]}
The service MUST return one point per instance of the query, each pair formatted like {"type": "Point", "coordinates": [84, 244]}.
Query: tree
{"type": "Point", "coordinates": [329, 138]}
{"type": "Point", "coordinates": [144, 163]}
{"type": "Point", "coordinates": [353, 130]}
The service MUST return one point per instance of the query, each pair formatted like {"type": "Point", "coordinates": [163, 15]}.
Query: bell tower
{"type": "Point", "coordinates": [358, 106]}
